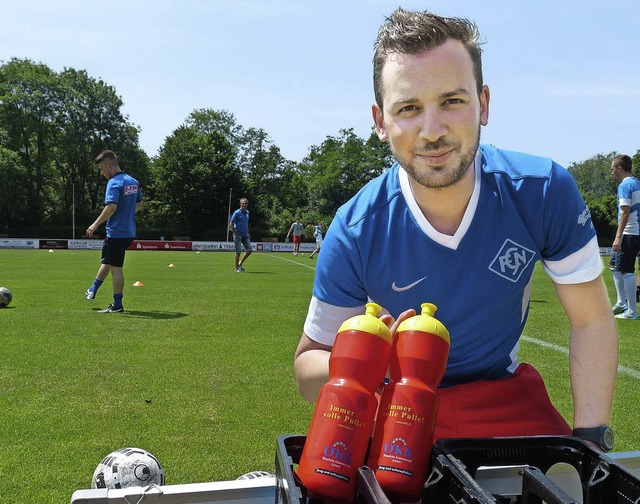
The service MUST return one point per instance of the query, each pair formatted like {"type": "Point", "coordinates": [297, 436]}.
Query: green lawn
{"type": "Point", "coordinates": [198, 370]}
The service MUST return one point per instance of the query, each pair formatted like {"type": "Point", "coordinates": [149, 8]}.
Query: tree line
{"type": "Point", "coordinates": [53, 124]}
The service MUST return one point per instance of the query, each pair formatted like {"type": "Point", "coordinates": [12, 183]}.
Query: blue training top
{"type": "Point", "coordinates": [124, 191]}
{"type": "Point", "coordinates": [241, 221]}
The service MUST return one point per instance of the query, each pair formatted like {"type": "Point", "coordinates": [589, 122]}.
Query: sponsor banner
{"type": "Point", "coordinates": [160, 245]}
{"type": "Point", "coordinates": [53, 244]}
{"type": "Point", "coordinates": [288, 247]}
{"type": "Point", "coordinates": [606, 251]}
{"type": "Point", "coordinates": [85, 244]}
{"type": "Point", "coordinates": [19, 243]}
{"type": "Point", "coordinates": [207, 246]}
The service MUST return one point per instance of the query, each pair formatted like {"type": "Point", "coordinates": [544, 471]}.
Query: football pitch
{"type": "Point", "coordinates": [198, 371]}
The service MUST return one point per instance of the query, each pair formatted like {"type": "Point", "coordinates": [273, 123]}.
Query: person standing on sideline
{"type": "Point", "coordinates": [123, 198]}
{"type": "Point", "coordinates": [626, 244]}
{"type": "Point", "coordinates": [296, 231]}
{"type": "Point", "coordinates": [450, 213]}
{"type": "Point", "coordinates": [239, 225]}
{"type": "Point", "coordinates": [317, 234]}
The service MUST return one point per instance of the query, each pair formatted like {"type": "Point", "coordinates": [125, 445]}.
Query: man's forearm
{"type": "Point", "coordinates": [593, 368]}
{"type": "Point", "coordinates": [312, 371]}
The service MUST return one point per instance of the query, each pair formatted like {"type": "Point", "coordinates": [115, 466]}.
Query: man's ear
{"type": "Point", "coordinates": [378, 121]}
{"type": "Point", "coordinates": [484, 105]}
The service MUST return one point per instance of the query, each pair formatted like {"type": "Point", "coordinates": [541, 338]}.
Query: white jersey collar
{"type": "Point", "coordinates": [451, 242]}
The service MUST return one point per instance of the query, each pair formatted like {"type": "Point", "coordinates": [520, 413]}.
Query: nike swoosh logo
{"type": "Point", "coordinates": [406, 287]}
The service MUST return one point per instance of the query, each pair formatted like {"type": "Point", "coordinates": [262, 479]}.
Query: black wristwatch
{"type": "Point", "coordinates": [602, 436]}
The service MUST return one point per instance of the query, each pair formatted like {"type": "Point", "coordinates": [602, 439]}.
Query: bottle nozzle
{"type": "Point", "coordinates": [429, 309]}
{"type": "Point", "coordinates": [373, 309]}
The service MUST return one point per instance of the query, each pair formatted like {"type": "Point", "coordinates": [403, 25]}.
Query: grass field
{"type": "Point", "coordinates": [198, 370]}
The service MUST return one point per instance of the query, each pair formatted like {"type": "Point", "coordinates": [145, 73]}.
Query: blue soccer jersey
{"type": "Point", "coordinates": [124, 191]}
{"type": "Point", "coordinates": [629, 195]}
{"type": "Point", "coordinates": [381, 248]}
{"type": "Point", "coordinates": [240, 220]}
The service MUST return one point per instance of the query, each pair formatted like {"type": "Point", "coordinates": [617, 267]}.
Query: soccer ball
{"type": "Point", "coordinates": [5, 297]}
{"type": "Point", "coordinates": [256, 475]}
{"type": "Point", "coordinates": [128, 467]}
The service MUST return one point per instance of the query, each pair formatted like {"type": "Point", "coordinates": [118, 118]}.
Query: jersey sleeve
{"type": "Point", "coordinates": [571, 253]}
{"type": "Point", "coordinates": [112, 194]}
{"type": "Point", "coordinates": [338, 291]}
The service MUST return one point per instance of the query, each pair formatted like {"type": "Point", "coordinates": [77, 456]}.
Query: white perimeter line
{"type": "Point", "coordinates": [295, 262]}
{"type": "Point", "coordinates": [621, 369]}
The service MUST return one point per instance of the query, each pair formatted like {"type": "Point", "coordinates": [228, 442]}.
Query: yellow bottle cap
{"type": "Point", "coordinates": [426, 322]}
{"type": "Point", "coordinates": [369, 322]}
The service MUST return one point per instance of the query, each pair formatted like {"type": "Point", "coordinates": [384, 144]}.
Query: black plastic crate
{"type": "Point", "coordinates": [602, 480]}
{"type": "Point", "coordinates": [455, 462]}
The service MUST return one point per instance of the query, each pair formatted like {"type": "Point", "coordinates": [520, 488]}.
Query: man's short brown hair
{"type": "Point", "coordinates": [107, 156]}
{"type": "Point", "coordinates": [623, 161]}
{"type": "Point", "coordinates": [413, 32]}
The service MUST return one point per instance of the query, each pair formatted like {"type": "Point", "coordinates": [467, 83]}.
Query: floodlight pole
{"type": "Point", "coordinates": [73, 210]}
{"type": "Point", "coordinates": [229, 214]}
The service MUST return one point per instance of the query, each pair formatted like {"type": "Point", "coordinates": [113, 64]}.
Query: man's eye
{"type": "Point", "coordinates": [408, 108]}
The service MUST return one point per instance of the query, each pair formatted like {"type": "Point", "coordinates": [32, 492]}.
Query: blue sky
{"type": "Point", "coordinates": [564, 75]}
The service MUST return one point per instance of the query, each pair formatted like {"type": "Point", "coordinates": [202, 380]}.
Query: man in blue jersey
{"type": "Point", "coordinates": [239, 226]}
{"type": "Point", "coordinates": [626, 244]}
{"type": "Point", "coordinates": [122, 200]}
{"type": "Point", "coordinates": [451, 214]}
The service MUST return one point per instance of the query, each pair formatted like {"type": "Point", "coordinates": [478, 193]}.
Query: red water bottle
{"type": "Point", "coordinates": [344, 415]}
{"type": "Point", "coordinates": [401, 447]}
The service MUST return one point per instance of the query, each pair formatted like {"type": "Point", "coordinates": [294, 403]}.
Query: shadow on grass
{"type": "Point", "coordinates": [148, 314]}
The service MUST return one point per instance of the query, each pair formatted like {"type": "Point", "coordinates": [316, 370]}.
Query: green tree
{"type": "Point", "coordinates": [14, 200]}
{"type": "Point", "coordinates": [89, 119]}
{"type": "Point", "coordinates": [593, 176]}
{"type": "Point", "coordinates": [339, 167]}
{"type": "Point", "coordinates": [192, 176]}
{"type": "Point", "coordinates": [29, 94]}
{"type": "Point", "coordinates": [57, 124]}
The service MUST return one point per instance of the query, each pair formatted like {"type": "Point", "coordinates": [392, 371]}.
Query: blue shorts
{"type": "Point", "coordinates": [624, 260]}
{"type": "Point", "coordinates": [240, 242]}
{"type": "Point", "coordinates": [113, 250]}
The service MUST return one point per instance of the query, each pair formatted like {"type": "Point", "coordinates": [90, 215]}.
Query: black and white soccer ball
{"type": "Point", "coordinates": [5, 297]}
{"type": "Point", "coordinates": [128, 467]}
{"type": "Point", "coordinates": [256, 475]}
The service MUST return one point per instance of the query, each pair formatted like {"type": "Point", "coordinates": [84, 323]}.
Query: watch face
{"type": "Point", "coordinates": [607, 438]}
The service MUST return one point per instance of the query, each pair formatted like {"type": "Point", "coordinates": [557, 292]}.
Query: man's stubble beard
{"type": "Point", "coordinates": [435, 182]}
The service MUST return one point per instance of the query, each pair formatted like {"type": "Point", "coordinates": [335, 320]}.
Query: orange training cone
{"type": "Point", "coordinates": [138, 284]}
{"type": "Point", "coordinates": [172, 265]}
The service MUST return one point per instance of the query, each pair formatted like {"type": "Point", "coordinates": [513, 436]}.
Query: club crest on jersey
{"type": "Point", "coordinates": [131, 189]}
{"type": "Point", "coordinates": [511, 260]}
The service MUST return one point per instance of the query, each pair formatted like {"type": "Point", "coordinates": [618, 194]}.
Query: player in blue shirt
{"type": "Point", "coordinates": [626, 244]}
{"type": "Point", "coordinates": [462, 225]}
{"type": "Point", "coordinates": [239, 226]}
{"type": "Point", "coordinates": [123, 198]}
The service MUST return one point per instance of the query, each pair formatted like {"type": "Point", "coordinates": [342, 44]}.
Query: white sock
{"type": "Point", "coordinates": [630, 290]}
{"type": "Point", "coordinates": [618, 281]}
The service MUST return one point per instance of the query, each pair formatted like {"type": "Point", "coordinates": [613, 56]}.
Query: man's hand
{"type": "Point", "coordinates": [90, 230]}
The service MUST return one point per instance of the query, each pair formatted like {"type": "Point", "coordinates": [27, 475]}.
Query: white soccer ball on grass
{"type": "Point", "coordinates": [128, 467]}
{"type": "Point", "coordinates": [5, 297]}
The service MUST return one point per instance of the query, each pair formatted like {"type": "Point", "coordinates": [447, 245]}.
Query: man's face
{"type": "Point", "coordinates": [104, 170]}
{"type": "Point", "coordinates": [432, 113]}
{"type": "Point", "coordinates": [243, 205]}
{"type": "Point", "coordinates": [616, 171]}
